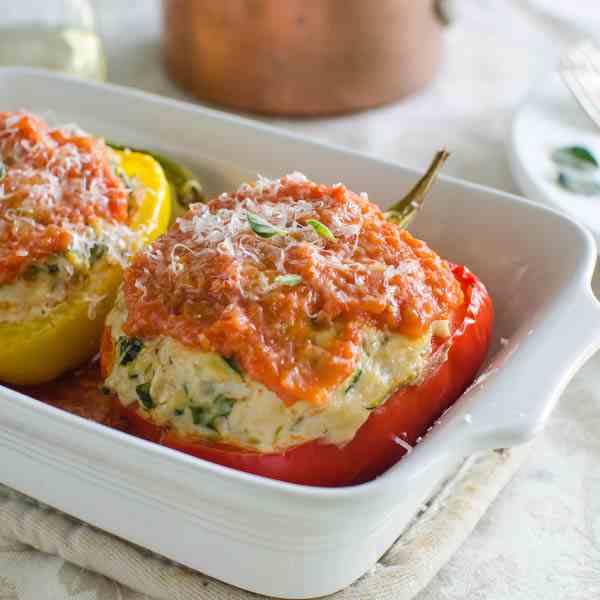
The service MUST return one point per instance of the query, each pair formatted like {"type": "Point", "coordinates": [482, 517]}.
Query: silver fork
{"type": "Point", "coordinates": [580, 70]}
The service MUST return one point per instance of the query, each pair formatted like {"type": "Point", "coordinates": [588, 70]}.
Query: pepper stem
{"type": "Point", "coordinates": [404, 211]}
{"type": "Point", "coordinates": [187, 188]}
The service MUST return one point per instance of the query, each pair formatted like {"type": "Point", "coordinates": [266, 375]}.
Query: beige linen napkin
{"type": "Point", "coordinates": [427, 544]}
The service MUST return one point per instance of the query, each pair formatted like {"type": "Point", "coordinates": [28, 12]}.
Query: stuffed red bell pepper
{"type": "Point", "coordinates": [294, 331]}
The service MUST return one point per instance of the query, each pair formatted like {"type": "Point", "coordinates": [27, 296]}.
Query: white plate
{"type": "Point", "coordinates": [549, 119]}
{"type": "Point", "coordinates": [271, 537]}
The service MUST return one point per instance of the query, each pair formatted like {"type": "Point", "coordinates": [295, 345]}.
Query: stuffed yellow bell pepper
{"type": "Point", "coordinates": [185, 188]}
{"type": "Point", "coordinates": [72, 212]}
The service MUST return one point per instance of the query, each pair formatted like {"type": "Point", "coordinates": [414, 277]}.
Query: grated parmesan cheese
{"type": "Point", "coordinates": [59, 181]}
{"type": "Point", "coordinates": [62, 207]}
{"type": "Point", "coordinates": [93, 301]}
{"type": "Point", "coordinates": [403, 443]}
{"type": "Point", "coordinates": [211, 281]}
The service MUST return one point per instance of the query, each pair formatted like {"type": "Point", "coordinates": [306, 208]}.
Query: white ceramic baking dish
{"type": "Point", "coordinates": [270, 537]}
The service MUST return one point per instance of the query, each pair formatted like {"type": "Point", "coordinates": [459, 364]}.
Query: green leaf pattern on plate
{"type": "Point", "coordinates": [578, 170]}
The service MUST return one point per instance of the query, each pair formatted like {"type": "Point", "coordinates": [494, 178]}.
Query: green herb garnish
{"type": "Point", "coordinates": [291, 280]}
{"type": "Point", "coordinates": [575, 157]}
{"type": "Point", "coordinates": [321, 229]}
{"type": "Point", "coordinates": [179, 411]}
{"type": "Point", "coordinates": [578, 185]}
{"type": "Point", "coordinates": [354, 380]}
{"type": "Point", "coordinates": [2, 170]}
{"type": "Point", "coordinates": [105, 390]}
{"type": "Point", "coordinates": [199, 415]}
{"type": "Point", "coordinates": [53, 269]}
{"type": "Point", "coordinates": [143, 392]}
{"type": "Point", "coordinates": [234, 365]}
{"type": "Point", "coordinates": [32, 271]}
{"type": "Point", "coordinates": [97, 251]}
{"type": "Point", "coordinates": [223, 405]}
{"type": "Point", "coordinates": [129, 348]}
{"type": "Point", "coordinates": [206, 416]}
{"type": "Point", "coordinates": [261, 227]}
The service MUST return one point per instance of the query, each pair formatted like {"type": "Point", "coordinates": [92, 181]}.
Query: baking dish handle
{"type": "Point", "coordinates": [509, 405]}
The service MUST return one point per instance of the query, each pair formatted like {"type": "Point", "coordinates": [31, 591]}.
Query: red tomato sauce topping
{"type": "Point", "coordinates": [247, 275]}
{"type": "Point", "coordinates": [54, 180]}
{"type": "Point", "coordinates": [80, 393]}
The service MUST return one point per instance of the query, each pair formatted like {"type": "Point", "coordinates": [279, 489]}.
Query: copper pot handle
{"type": "Point", "coordinates": [443, 12]}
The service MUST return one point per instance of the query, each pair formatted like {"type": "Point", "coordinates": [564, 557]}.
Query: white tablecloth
{"type": "Point", "coordinates": [541, 538]}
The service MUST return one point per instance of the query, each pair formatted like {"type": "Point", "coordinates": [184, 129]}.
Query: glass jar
{"type": "Point", "coordinates": [52, 34]}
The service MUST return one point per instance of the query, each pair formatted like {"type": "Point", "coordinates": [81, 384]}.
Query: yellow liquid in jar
{"type": "Point", "coordinates": [72, 51]}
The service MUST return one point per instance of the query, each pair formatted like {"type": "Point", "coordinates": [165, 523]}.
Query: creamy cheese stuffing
{"type": "Point", "coordinates": [34, 294]}
{"type": "Point", "coordinates": [45, 285]}
{"type": "Point", "coordinates": [63, 215]}
{"type": "Point", "coordinates": [201, 393]}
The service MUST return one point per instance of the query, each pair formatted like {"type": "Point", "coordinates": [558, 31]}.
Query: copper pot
{"type": "Point", "coordinates": [300, 57]}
